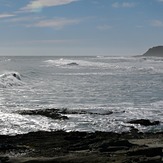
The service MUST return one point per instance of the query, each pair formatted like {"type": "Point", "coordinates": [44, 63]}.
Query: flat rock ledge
{"type": "Point", "coordinates": [59, 114]}
{"type": "Point", "coordinates": [50, 113]}
{"type": "Point", "coordinates": [82, 147]}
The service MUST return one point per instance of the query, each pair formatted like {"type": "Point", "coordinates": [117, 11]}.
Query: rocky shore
{"type": "Point", "coordinates": [82, 147]}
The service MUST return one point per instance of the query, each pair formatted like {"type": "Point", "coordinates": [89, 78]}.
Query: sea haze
{"type": "Point", "coordinates": [103, 92]}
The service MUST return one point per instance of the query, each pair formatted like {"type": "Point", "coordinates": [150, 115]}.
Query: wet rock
{"type": "Point", "coordinates": [81, 147]}
{"type": "Point", "coordinates": [115, 145]}
{"type": "Point", "coordinates": [51, 113]}
{"type": "Point", "coordinates": [4, 159]}
{"type": "Point", "coordinates": [136, 159]}
{"type": "Point", "coordinates": [144, 122]}
{"type": "Point", "coordinates": [149, 152]}
{"type": "Point", "coordinates": [125, 143]}
{"type": "Point", "coordinates": [16, 76]}
{"type": "Point", "coordinates": [72, 64]}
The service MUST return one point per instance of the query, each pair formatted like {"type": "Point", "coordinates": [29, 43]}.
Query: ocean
{"type": "Point", "coordinates": [104, 93]}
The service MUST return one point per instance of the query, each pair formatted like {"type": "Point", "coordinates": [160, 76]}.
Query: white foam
{"type": "Point", "coordinates": [9, 79]}
{"type": "Point", "coordinates": [82, 63]}
{"type": "Point", "coordinates": [128, 64]}
{"type": "Point", "coordinates": [17, 124]}
{"type": "Point", "coordinates": [92, 88]}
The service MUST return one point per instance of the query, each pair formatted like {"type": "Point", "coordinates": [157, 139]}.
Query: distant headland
{"type": "Point", "coordinates": [156, 51]}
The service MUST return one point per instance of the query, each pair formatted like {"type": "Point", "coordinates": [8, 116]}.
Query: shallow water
{"type": "Point", "coordinates": [129, 87]}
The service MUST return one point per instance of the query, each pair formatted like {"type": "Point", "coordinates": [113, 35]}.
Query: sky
{"type": "Point", "coordinates": [80, 27]}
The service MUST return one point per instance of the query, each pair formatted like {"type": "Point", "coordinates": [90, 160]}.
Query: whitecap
{"type": "Point", "coordinates": [65, 63]}
{"type": "Point", "coordinates": [9, 79]}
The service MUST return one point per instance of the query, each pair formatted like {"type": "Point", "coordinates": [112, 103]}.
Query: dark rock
{"type": "Point", "coordinates": [155, 52]}
{"type": "Point", "coordinates": [51, 113]}
{"type": "Point", "coordinates": [115, 145]}
{"type": "Point", "coordinates": [72, 64]}
{"type": "Point", "coordinates": [4, 159]}
{"type": "Point", "coordinates": [149, 152]}
{"type": "Point", "coordinates": [81, 147]}
{"type": "Point", "coordinates": [112, 149]}
{"type": "Point", "coordinates": [125, 143]}
{"type": "Point", "coordinates": [144, 122]}
{"type": "Point", "coordinates": [136, 159]}
{"type": "Point", "coordinates": [16, 76]}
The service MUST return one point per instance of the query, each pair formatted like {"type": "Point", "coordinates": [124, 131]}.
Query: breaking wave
{"type": "Point", "coordinates": [9, 79]}
{"type": "Point", "coordinates": [131, 65]}
{"type": "Point", "coordinates": [82, 63]}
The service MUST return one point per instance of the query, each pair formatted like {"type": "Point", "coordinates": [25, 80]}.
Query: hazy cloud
{"type": "Point", "coordinates": [37, 5]}
{"type": "Point", "coordinates": [6, 15]}
{"type": "Point", "coordinates": [157, 23]}
{"type": "Point", "coordinates": [123, 5]}
{"type": "Point", "coordinates": [43, 42]}
{"type": "Point", "coordinates": [57, 41]}
{"type": "Point", "coordinates": [25, 19]}
{"type": "Point", "coordinates": [56, 23]}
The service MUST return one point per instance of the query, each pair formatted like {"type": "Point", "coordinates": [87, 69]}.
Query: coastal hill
{"type": "Point", "coordinates": [156, 51]}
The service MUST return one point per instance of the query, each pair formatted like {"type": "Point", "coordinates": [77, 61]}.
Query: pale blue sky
{"type": "Point", "coordinates": [80, 27]}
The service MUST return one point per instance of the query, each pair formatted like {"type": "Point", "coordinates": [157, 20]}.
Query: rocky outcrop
{"type": "Point", "coordinates": [155, 52]}
{"type": "Point", "coordinates": [72, 64]}
{"type": "Point", "coordinates": [60, 114]}
{"type": "Point", "coordinates": [144, 122]}
{"type": "Point", "coordinates": [81, 147]}
{"type": "Point", "coordinates": [50, 113]}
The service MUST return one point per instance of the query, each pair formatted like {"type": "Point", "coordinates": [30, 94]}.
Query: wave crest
{"type": "Point", "coordinates": [9, 79]}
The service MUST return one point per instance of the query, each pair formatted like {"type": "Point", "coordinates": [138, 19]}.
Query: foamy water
{"type": "Point", "coordinates": [130, 88]}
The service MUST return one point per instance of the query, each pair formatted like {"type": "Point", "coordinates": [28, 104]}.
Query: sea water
{"type": "Point", "coordinates": [127, 87]}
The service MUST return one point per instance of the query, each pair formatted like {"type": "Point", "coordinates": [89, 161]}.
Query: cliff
{"type": "Point", "coordinates": [155, 52]}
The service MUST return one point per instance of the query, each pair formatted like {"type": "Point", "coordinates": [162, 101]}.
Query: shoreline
{"type": "Point", "coordinates": [82, 147]}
